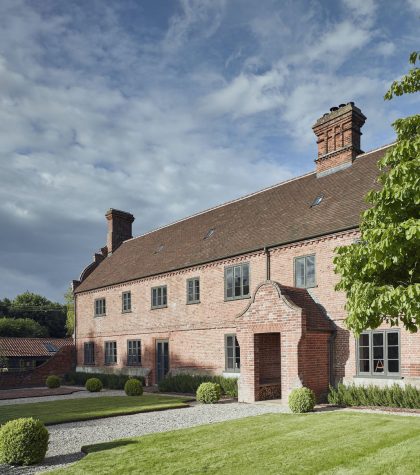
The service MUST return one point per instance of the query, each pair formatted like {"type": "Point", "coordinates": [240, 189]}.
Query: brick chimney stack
{"type": "Point", "coordinates": [119, 228]}
{"type": "Point", "coordinates": [338, 138]}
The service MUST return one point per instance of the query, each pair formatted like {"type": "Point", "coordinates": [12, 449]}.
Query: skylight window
{"type": "Point", "coordinates": [159, 249]}
{"type": "Point", "coordinates": [317, 200]}
{"type": "Point", "coordinates": [210, 233]}
{"type": "Point", "coordinates": [50, 347]}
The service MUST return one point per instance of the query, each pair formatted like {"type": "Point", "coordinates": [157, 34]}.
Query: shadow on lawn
{"type": "Point", "coordinates": [90, 449]}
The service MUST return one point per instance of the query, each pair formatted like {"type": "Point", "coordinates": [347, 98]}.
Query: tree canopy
{"type": "Point", "coordinates": [381, 274]}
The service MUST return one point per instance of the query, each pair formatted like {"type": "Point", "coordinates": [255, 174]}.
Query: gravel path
{"type": "Point", "coordinates": [67, 439]}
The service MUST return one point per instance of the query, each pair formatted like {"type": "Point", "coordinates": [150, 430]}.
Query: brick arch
{"type": "Point", "coordinates": [269, 317]}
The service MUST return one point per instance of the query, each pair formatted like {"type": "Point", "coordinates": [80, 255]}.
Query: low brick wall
{"type": "Point", "coordinates": [59, 364]}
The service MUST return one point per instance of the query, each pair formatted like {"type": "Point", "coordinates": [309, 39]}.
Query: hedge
{"type": "Point", "coordinates": [109, 381]}
{"type": "Point", "coordinates": [189, 383]}
{"type": "Point", "coordinates": [390, 396]}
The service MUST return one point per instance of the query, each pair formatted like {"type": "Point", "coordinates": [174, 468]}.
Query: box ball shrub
{"type": "Point", "coordinates": [23, 442]}
{"type": "Point", "coordinates": [53, 381]}
{"type": "Point", "coordinates": [208, 393]}
{"type": "Point", "coordinates": [133, 387]}
{"type": "Point", "coordinates": [94, 385]}
{"type": "Point", "coordinates": [302, 400]}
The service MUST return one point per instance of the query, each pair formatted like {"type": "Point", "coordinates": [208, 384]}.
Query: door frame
{"type": "Point", "coordinates": [157, 341]}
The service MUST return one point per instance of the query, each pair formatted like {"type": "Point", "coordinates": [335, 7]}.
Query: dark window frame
{"type": "Point", "coordinates": [110, 351]}
{"type": "Point", "coordinates": [163, 297]}
{"type": "Point", "coordinates": [232, 268]}
{"type": "Point", "coordinates": [194, 290]}
{"type": "Point", "coordinates": [305, 257]}
{"type": "Point", "coordinates": [236, 347]}
{"type": "Point", "coordinates": [123, 302]}
{"type": "Point", "coordinates": [386, 373]}
{"type": "Point", "coordinates": [89, 349]}
{"type": "Point", "coordinates": [134, 353]}
{"type": "Point", "coordinates": [95, 307]}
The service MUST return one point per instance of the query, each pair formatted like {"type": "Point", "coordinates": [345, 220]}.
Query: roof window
{"type": "Point", "coordinates": [210, 233]}
{"type": "Point", "coordinates": [159, 249]}
{"type": "Point", "coordinates": [50, 347]}
{"type": "Point", "coordinates": [317, 200]}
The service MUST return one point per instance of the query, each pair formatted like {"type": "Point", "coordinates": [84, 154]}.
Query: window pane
{"type": "Point", "coordinates": [392, 338]}
{"type": "Point", "coordinates": [364, 340]}
{"type": "Point", "coordinates": [163, 295]}
{"type": "Point", "coordinates": [229, 282]}
{"type": "Point", "coordinates": [230, 363]}
{"type": "Point", "coordinates": [197, 290]}
{"type": "Point", "coordinates": [393, 352]}
{"type": "Point", "coordinates": [364, 353]}
{"type": "Point", "coordinates": [378, 352]}
{"type": "Point", "coordinates": [229, 351]}
{"type": "Point", "coordinates": [378, 366]}
{"type": "Point", "coordinates": [310, 271]}
{"type": "Point", "coordinates": [378, 339]}
{"type": "Point", "coordinates": [393, 366]}
{"type": "Point", "coordinates": [300, 272]}
{"type": "Point", "coordinates": [237, 277]}
{"type": "Point", "coordinates": [229, 341]}
{"type": "Point", "coordinates": [364, 366]}
{"type": "Point", "coordinates": [245, 279]}
{"type": "Point", "coordinates": [238, 354]}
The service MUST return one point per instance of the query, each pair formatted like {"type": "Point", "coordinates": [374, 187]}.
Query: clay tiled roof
{"type": "Point", "coordinates": [278, 215]}
{"type": "Point", "coordinates": [31, 346]}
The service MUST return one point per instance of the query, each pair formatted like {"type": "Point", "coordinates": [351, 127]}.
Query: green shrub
{"type": "Point", "coordinates": [302, 400]}
{"type": "Point", "coordinates": [133, 387]}
{"type": "Point", "coordinates": [109, 381]}
{"type": "Point", "coordinates": [189, 383]}
{"type": "Point", "coordinates": [94, 385]}
{"type": "Point", "coordinates": [208, 393]}
{"type": "Point", "coordinates": [53, 381]}
{"type": "Point", "coordinates": [23, 442]}
{"type": "Point", "coordinates": [389, 396]}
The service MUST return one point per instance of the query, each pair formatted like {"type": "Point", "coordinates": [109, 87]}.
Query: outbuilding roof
{"type": "Point", "coordinates": [278, 215]}
{"type": "Point", "coordinates": [27, 347]}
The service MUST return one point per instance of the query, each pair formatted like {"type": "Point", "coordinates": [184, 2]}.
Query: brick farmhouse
{"type": "Point", "coordinates": [246, 289]}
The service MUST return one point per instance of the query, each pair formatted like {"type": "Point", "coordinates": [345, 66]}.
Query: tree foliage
{"type": "Point", "coordinates": [48, 314]}
{"type": "Point", "coordinates": [69, 299]}
{"type": "Point", "coordinates": [21, 327]}
{"type": "Point", "coordinates": [381, 274]}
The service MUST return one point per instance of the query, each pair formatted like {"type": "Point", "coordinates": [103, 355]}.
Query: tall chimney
{"type": "Point", "coordinates": [338, 138]}
{"type": "Point", "coordinates": [119, 228]}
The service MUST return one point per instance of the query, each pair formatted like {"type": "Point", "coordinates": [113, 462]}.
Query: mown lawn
{"type": "Point", "coordinates": [328, 443]}
{"type": "Point", "coordinates": [68, 410]}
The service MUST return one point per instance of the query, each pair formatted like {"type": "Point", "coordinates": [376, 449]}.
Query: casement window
{"type": "Point", "coordinates": [89, 353]}
{"type": "Point", "coordinates": [193, 290]}
{"type": "Point", "coordinates": [159, 297]}
{"type": "Point", "coordinates": [232, 354]}
{"type": "Point", "coordinates": [237, 282]}
{"type": "Point", "coordinates": [126, 302]}
{"type": "Point", "coordinates": [100, 307]}
{"type": "Point", "coordinates": [133, 352]}
{"type": "Point", "coordinates": [378, 353]}
{"type": "Point", "coordinates": [110, 352]}
{"type": "Point", "coordinates": [305, 272]}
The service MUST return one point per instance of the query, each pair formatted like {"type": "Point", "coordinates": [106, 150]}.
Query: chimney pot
{"type": "Point", "coordinates": [342, 105]}
{"type": "Point", "coordinates": [119, 228]}
{"type": "Point", "coordinates": [332, 109]}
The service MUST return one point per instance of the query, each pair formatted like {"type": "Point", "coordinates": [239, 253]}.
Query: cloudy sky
{"type": "Point", "coordinates": [167, 107]}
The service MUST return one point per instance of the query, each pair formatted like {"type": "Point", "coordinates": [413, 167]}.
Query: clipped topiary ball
{"type": "Point", "coordinates": [53, 381]}
{"type": "Point", "coordinates": [23, 442]}
{"type": "Point", "coordinates": [94, 385]}
{"type": "Point", "coordinates": [208, 393]}
{"type": "Point", "coordinates": [133, 387]}
{"type": "Point", "coordinates": [302, 400]}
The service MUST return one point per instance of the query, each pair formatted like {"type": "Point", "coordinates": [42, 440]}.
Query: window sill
{"type": "Point", "coordinates": [126, 311]}
{"type": "Point", "coordinates": [237, 298]}
{"type": "Point", "coordinates": [110, 364]}
{"type": "Point", "coordinates": [89, 364]}
{"type": "Point", "coordinates": [101, 315]}
{"type": "Point", "coordinates": [193, 303]}
{"type": "Point", "coordinates": [379, 376]}
{"type": "Point", "coordinates": [157, 308]}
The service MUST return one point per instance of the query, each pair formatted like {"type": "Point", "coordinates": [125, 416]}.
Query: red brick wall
{"type": "Point", "coordinates": [59, 364]}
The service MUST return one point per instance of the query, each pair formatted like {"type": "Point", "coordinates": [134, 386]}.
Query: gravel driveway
{"type": "Point", "coordinates": [67, 439]}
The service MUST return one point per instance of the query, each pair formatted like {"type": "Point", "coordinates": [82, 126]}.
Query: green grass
{"type": "Point", "coordinates": [328, 443]}
{"type": "Point", "coordinates": [68, 410]}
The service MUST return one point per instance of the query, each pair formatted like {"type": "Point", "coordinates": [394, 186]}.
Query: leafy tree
{"type": "Point", "coordinates": [69, 298]}
{"type": "Point", "coordinates": [21, 327]}
{"type": "Point", "coordinates": [49, 314]}
{"type": "Point", "coordinates": [381, 274]}
{"type": "Point", "coordinates": [4, 307]}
